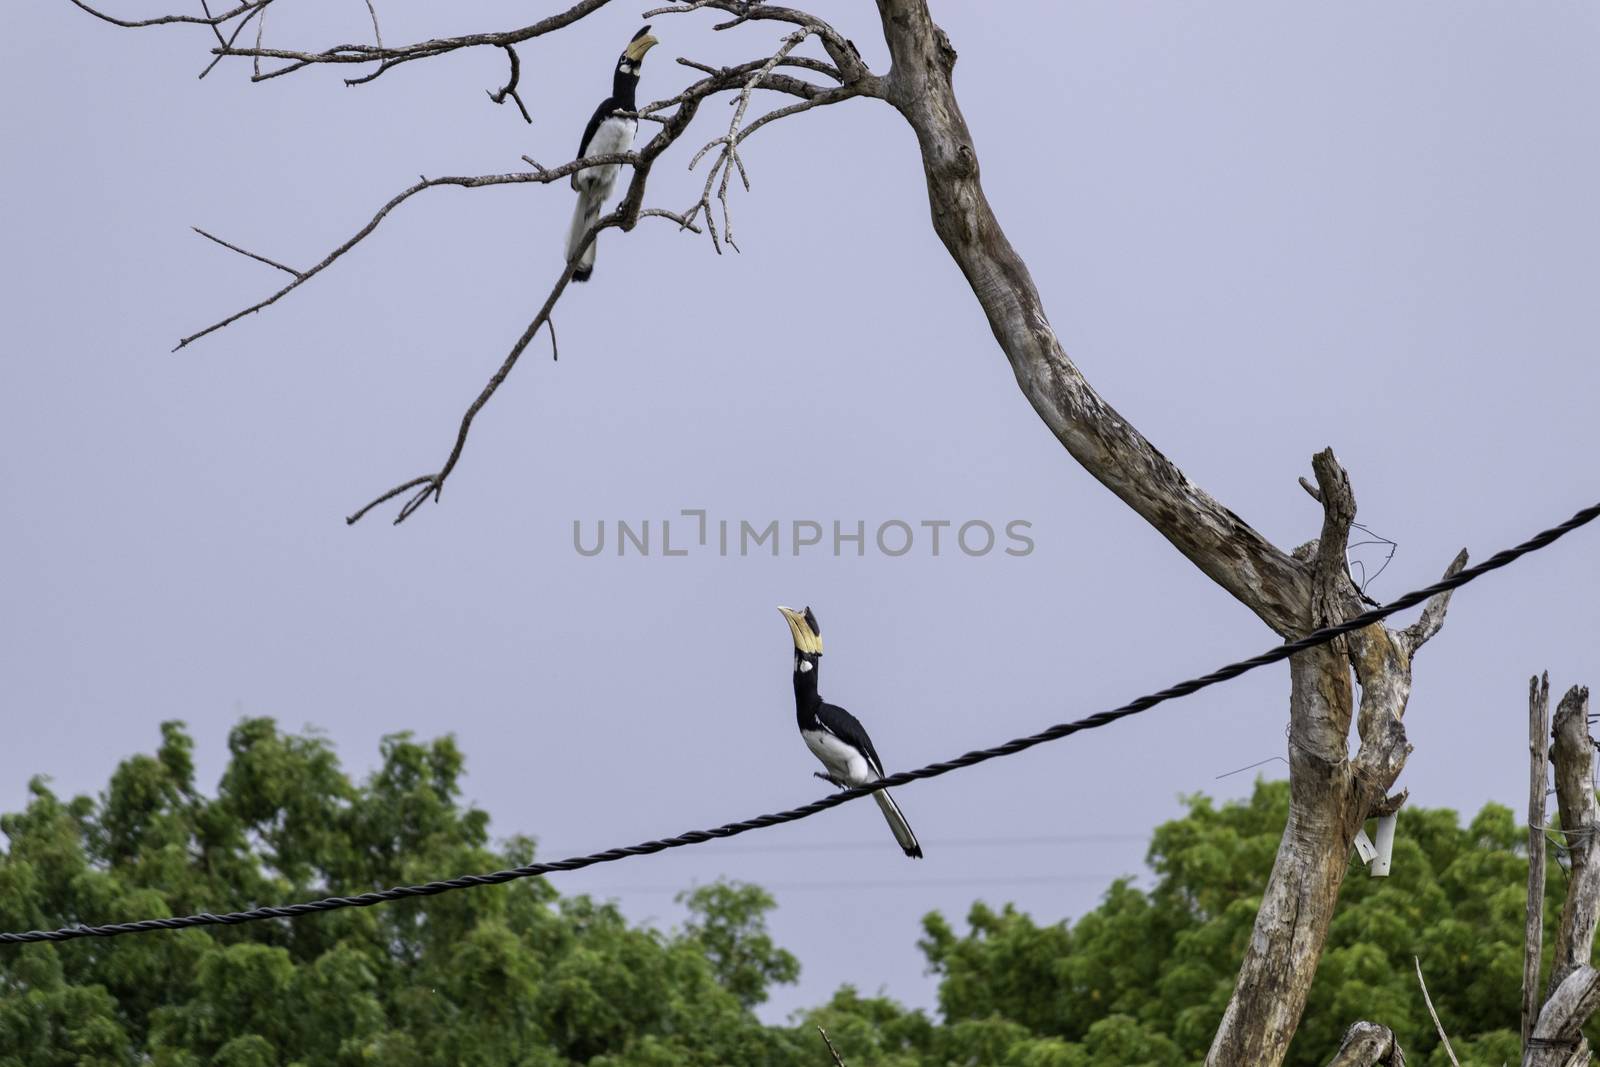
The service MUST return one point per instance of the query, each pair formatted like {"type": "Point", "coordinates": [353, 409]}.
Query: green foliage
{"type": "Point", "coordinates": [729, 924]}
{"type": "Point", "coordinates": [518, 975]}
{"type": "Point", "coordinates": [509, 974]}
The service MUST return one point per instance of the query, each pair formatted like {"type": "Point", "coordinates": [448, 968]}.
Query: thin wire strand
{"type": "Point", "coordinates": [805, 811]}
{"type": "Point", "coordinates": [876, 843]}
{"type": "Point", "coordinates": [853, 884]}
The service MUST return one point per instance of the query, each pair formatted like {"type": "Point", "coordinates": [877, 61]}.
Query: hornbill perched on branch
{"type": "Point", "coordinates": [606, 134]}
{"type": "Point", "coordinates": [835, 736]}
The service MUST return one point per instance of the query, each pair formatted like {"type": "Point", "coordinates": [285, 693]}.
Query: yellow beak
{"type": "Point", "coordinates": [636, 49]}
{"type": "Point", "coordinates": [804, 640]}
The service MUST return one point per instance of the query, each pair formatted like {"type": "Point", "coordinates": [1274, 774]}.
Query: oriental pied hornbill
{"type": "Point", "coordinates": [606, 134]}
{"type": "Point", "coordinates": [835, 736]}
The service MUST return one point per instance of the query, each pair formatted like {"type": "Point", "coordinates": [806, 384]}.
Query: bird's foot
{"type": "Point", "coordinates": [830, 779]}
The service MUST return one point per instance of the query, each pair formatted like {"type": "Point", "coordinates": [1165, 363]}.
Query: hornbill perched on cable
{"type": "Point", "coordinates": [835, 736]}
{"type": "Point", "coordinates": [606, 134]}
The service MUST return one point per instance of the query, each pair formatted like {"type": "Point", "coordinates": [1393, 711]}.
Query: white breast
{"type": "Point", "coordinates": [613, 135]}
{"type": "Point", "coordinates": [841, 760]}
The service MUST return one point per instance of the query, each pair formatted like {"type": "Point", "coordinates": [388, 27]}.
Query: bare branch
{"type": "Point", "coordinates": [781, 83]}
{"type": "Point", "coordinates": [729, 157]}
{"type": "Point", "coordinates": [724, 78]}
{"type": "Point", "coordinates": [839, 49]}
{"type": "Point", "coordinates": [164, 20]}
{"type": "Point", "coordinates": [206, 7]}
{"type": "Point", "coordinates": [837, 1059]}
{"type": "Point", "coordinates": [377, 32]}
{"type": "Point", "coordinates": [677, 9]}
{"type": "Point", "coordinates": [1368, 1045]}
{"type": "Point", "coordinates": [827, 96]}
{"type": "Point", "coordinates": [261, 10]}
{"type": "Point", "coordinates": [1420, 632]}
{"type": "Point", "coordinates": [388, 58]}
{"type": "Point", "coordinates": [499, 95]}
{"type": "Point", "coordinates": [656, 212]}
{"type": "Point", "coordinates": [541, 177]}
{"type": "Point", "coordinates": [243, 252]}
{"type": "Point", "coordinates": [743, 76]}
{"type": "Point", "coordinates": [255, 62]}
{"type": "Point", "coordinates": [624, 217]}
{"type": "Point", "coordinates": [1437, 1025]}
{"type": "Point", "coordinates": [390, 495]}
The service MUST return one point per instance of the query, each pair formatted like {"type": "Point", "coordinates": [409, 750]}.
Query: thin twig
{"type": "Point", "coordinates": [433, 484]}
{"type": "Point", "coordinates": [255, 61]}
{"type": "Point", "coordinates": [745, 77]}
{"type": "Point", "coordinates": [206, 7]}
{"type": "Point", "coordinates": [377, 33]}
{"type": "Point", "coordinates": [243, 252]}
{"type": "Point", "coordinates": [675, 9]}
{"type": "Point", "coordinates": [1437, 1025]}
{"type": "Point", "coordinates": [687, 101]}
{"type": "Point", "coordinates": [729, 159]}
{"type": "Point", "coordinates": [479, 181]}
{"type": "Point", "coordinates": [260, 10]}
{"type": "Point", "coordinates": [390, 57]}
{"type": "Point", "coordinates": [837, 1059]}
{"type": "Point", "coordinates": [1421, 632]}
{"type": "Point", "coordinates": [839, 48]}
{"type": "Point", "coordinates": [390, 495]}
{"type": "Point", "coordinates": [499, 96]}
{"type": "Point", "coordinates": [662, 213]}
{"type": "Point", "coordinates": [624, 217]}
{"type": "Point", "coordinates": [163, 20]}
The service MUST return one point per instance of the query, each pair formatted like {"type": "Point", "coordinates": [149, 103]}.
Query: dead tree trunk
{"type": "Point", "coordinates": [1557, 1039]}
{"type": "Point", "coordinates": [1331, 794]}
{"type": "Point", "coordinates": [1538, 777]}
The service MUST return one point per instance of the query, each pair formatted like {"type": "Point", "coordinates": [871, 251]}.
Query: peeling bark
{"type": "Point", "coordinates": [1538, 777]}
{"type": "Point", "coordinates": [1330, 794]}
{"type": "Point", "coordinates": [1369, 1045]}
{"type": "Point", "coordinates": [1557, 1038]}
{"type": "Point", "coordinates": [1573, 755]}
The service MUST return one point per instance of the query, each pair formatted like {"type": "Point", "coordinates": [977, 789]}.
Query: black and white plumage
{"type": "Point", "coordinates": [835, 736]}
{"type": "Point", "coordinates": [607, 134]}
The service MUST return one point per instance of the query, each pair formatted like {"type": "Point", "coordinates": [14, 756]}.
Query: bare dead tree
{"type": "Point", "coordinates": [1332, 793]}
{"type": "Point", "coordinates": [1557, 1033]}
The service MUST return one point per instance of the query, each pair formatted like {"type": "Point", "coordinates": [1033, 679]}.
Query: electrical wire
{"type": "Point", "coordinates": [804, 811]}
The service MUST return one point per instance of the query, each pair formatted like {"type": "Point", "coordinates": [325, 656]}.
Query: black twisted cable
{"type": "Point", "coordinates": [760, 822]}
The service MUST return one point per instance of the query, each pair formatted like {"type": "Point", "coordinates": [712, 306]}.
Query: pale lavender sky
{"type": "Point", "coordinates": [1259, 229]}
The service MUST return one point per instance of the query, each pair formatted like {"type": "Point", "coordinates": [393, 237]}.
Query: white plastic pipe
{"type": "Point", "coordinates": [1385, 843]}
